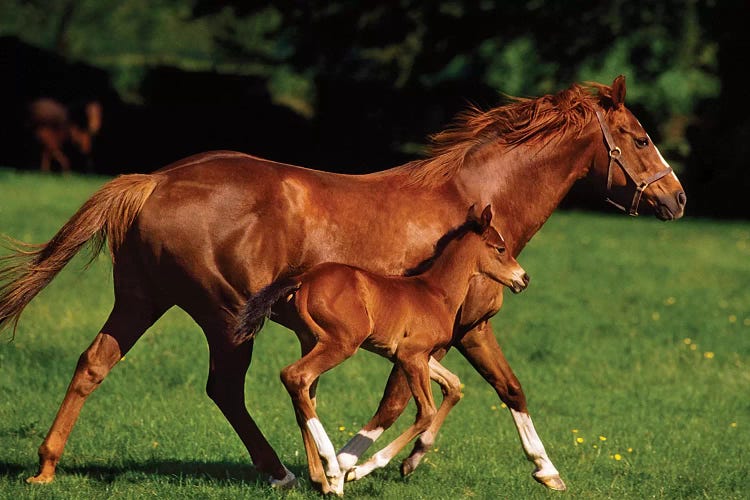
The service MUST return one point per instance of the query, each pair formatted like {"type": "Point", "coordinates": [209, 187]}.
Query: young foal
{"type": "Point", "coordinates": [404, 319]}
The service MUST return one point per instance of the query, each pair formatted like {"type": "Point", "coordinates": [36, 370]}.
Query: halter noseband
{"type": "Point", "coordinates": [615, 155]}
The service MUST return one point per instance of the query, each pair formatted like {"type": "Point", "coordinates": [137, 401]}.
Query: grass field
{"type": "Point", "coordinates": [632, 343]}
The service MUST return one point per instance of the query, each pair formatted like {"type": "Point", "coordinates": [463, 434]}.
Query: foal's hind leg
{"type": "Point", "coordinates": [298, 379]}
{"type": "Point", "coordinates": [127, 322]}
{"type": "Point", "coordinates": [226, 387]}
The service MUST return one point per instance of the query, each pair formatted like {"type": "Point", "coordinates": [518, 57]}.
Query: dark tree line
{"type": "Point", "coordinates": [357, 86]}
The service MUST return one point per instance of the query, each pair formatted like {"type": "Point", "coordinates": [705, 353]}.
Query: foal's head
{"type": "Point", "coordinates": [493, 259]}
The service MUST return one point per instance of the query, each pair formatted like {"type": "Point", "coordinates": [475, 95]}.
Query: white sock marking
{"type": "Point", "coordinates": [324, 445]}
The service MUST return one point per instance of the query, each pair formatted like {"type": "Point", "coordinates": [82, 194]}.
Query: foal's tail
{"type": "Point", "coordinates": [258, 307]}
{"type": "Point", "coordinates": [106, 216]}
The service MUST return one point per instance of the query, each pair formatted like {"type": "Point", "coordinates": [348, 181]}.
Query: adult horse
{"type": "Point", "coordinates": [206, 232]}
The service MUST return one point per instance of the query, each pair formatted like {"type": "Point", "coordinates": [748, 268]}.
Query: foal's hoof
{"type": "Point", "coordinates": [337, 485]}
{"type": "Point", "coordinates": [407, 467]}
{"type": "Point", "coordinates": [40, 479]}
{"type": "Point", "coordinates": [552, 482]}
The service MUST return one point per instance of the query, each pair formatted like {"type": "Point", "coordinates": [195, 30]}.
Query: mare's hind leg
{"type": "Point", "coordinates": [226, 387]}
{"type": "Point", "coordinates": [128, 320]}
{"type": "Point", "coordinates": [481, 349]}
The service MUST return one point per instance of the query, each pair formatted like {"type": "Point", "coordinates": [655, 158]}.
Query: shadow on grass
{"type": "Point", "coordinates": [173, 470]}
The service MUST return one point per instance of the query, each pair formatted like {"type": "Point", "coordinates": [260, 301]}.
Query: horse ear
{"type": "Point", "coordinates": [618, 91]}
{"type": "Point", "coordinates": [486, 217]}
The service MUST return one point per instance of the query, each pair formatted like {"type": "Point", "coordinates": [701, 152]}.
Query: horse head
{"type": "Point", "coordinates": [637, 176]}
{"type": "Point", "coordinates": [494, 260]}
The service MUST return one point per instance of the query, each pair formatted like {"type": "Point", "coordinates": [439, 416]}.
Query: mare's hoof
{"type": "Point", "coordinates": [552, 482]}
{"type": "Point", "coordinates": [286, 483]}
{"type": "Point", "coordinates": [350, 475]}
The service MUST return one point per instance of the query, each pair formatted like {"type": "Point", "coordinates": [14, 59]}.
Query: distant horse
{"type": "Point", "coordinates": [208, 231]}
{"type": "Point", "coordinates": [52, 127]}
{"type": "Point", "coordinates": [405, 319]}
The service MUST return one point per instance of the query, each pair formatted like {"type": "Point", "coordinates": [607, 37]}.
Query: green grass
{"type": "Point", "coordinates": [599, 342]}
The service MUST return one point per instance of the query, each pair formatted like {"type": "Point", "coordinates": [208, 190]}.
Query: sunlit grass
{"type": "Point", "coordinates": [632, 344]}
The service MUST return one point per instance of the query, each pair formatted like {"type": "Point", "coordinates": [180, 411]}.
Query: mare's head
{"type": "Point", "coordinates": [636, 176]}
{"type": "Point", "coordinates": [493, 258]}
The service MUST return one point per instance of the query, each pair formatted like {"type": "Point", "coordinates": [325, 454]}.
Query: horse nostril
{"type": "Point", "coordinates": [526, 279]}
{"type": "Point", "coordinates": [681, 198]}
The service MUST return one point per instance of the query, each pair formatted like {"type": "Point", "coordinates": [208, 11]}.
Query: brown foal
{"type": "Point", "coordinates": [404, 319]}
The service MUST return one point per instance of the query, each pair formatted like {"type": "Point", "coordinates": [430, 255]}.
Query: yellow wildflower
{"type": "Point", "coordinates": [618, 456]}
{"type": "Point", "coordinates": [708, 355]}
{"type": "Point", "coordinates": [602, 438]}
{"type": "Point", "coordinates": [579, 440]}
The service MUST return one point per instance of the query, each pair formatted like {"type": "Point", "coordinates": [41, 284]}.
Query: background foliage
{"type": "Point", "coordinates": [358, 86]}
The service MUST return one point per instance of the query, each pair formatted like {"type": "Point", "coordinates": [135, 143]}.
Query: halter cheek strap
{"type": "Point", "coordinates": [615, 156]}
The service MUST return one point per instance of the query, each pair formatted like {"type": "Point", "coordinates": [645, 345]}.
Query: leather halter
{"type": "Point", "coordinates": [615, 156]}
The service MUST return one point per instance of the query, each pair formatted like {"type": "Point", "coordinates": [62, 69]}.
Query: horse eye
{"type": "Point", "coordinates": [500, 250]}
{"type": "Point", "coordinates": [641, 142]}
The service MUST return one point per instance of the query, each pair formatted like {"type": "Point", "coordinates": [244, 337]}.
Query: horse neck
{"type": "Point", "coordinates": [453, 268]}
{"type": "Point", "coordinates": [525, 183]}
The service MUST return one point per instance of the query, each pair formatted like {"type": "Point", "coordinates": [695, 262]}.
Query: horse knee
{"type": "Point", "coordinates": [295, 381]}
{"type": "Point", "coordinates": [90, 372]}
{"type": "Point", "coordinates": [452, 390]}
{"type": "Point", "coordinates": [513, 396]}
{"type": "Point", "coordinates": [424, 419]}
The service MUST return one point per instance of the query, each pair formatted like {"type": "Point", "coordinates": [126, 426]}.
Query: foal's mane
{"type": "Point", "coordinates": [470, 226]}
{"type": "Point", "coordinates": [521, 120]}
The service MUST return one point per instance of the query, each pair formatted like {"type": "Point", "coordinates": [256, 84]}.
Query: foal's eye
{"type": "Point", "coordinates": [500, 250]}
{"type": "Point", "coordinates": [641, 142]}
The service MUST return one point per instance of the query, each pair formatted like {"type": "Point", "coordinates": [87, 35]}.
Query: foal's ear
{"type": "Point", "coordinates": [486, 217]}
{"type": "Point", "coordinates": [618, 92]}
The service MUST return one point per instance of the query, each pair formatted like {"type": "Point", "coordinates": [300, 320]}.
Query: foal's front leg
{"type": "Point", "coordinates": [418, 374]}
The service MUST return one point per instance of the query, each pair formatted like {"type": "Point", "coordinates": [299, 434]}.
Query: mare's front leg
{"type": "Point", "coordinates": [481, 349]}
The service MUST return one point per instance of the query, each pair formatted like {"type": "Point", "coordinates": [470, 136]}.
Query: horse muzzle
{"type": "Point", "coordinates": [670, 207]}
{"type": "Point", "coordinates": [520, 283]}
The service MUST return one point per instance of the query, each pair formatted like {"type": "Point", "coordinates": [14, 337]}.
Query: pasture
{"type": "Point", "coordinates": [632, 344]}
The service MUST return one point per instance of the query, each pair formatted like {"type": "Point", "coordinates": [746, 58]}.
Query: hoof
{"type": "Point", "coordinates": [40, 479]}
{"type": "Point", "coordinates": [552, 482]}
{"type": "Point", "coordinates": [337, 485]}
{"type": "Point", "coordinates": [286, 483]}
{"type": "Point", "coordinates": [407, 468]}
{"type": "Point", "coordinates": [351, 475]}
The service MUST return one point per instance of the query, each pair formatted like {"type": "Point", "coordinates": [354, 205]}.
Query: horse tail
{"type": "Point", "coordinates": [258, 307]}
{"type": "Point", "coordinates": [106, 216]}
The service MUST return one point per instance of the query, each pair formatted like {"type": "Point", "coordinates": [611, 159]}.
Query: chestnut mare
{"type": "Point", "coordinates": [208, 231]}
{"type": "Point", "coordinates": [405, 319]}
